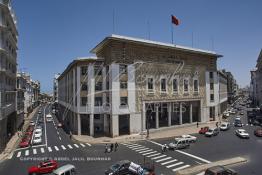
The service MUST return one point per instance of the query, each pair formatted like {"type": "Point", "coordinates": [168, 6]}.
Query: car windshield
{"type": "Point", "coordinates": [210, 130]}
{"type": "Point", "coordinates": [115, 167]}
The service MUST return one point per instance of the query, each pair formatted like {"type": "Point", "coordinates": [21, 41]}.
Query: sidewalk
{"type": "Point", "coordinates": [153, 134]}
{"type": "Point", "coordinates": [15, 140]}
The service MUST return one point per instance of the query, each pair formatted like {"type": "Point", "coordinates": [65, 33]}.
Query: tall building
{"type": "Point", "coordinates": [55, 87]}
{"type": "Point", "coordinates": [253, 87]}
{"type": "Point", "coordinates": [8, 62]}
{"type": "Point", "coordinates": [20, 97]}
{"type": "Point", "coordinates": [36, 92]}
{"type": "Point", "coordinates": [135, 84]}
{"type": "Point", "coordinates": [223, 94]}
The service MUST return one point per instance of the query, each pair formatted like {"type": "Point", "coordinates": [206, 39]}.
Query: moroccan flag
{"type": "Point", "coordinates": [175, 20]}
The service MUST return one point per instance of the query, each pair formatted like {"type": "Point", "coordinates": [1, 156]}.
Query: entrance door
{"type": "Point", "coordinates": [124, 124]}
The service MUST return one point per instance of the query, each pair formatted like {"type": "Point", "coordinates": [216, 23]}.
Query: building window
{"type": "Point", "coordinates": [195, 85]}
{"type": "Point", "coordinates": [211, 75]}
{"type": "Point", "coordinates": [84, 70]}
{"type": "Point", "coordinates": [83, 101]}
{"type": "Point", "coordinates": [123, 101]}
{"type": "Point", "coordinates": [175, 85]}
{"type": "Point", "coordinates": [99, 86]}
{"type": "Point", "coordinates": [123, 85]}
{"type": "Point", "coordinates": [211, 86]}
{"type": "Point", "coordinates": [150, 84]}
{"type": "Point", "coordinates": [107, 85]}
{"type": "Point", "coordinates": [84, 87]}
{"type": "Point", "coordinates": [97, 70]}
{"type": "Point", "coordinates": [122, 69]}
{"type": "Point", "coordinates": [185, 85]}
{"type": "Point", "coordinates": [163, 85]}
{"type": "Point", "coordinates": [211, 97]}
{"type": "Point", "coordinates": [98, 101]}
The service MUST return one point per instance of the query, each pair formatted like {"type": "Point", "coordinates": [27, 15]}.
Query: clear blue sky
{"type": "Point", "coordinates": [54, 32]}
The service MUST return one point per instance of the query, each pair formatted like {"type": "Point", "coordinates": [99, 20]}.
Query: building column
{"type": "Point", "coordinates": [114, 125]}
{"type": "Point", "coordinates": [91, 124]}
{"type": "Point", "coordinates": [144, 117]}
{"type": "Point", "coordinates": [106, 125]}
{"type": "Point", "coordinates": [157, 116]}
{"type": "Point", "coordinates": [169, 113]}
{"type": "Point", "coordinates": [78, 124]}
{"type": "Point", "coordinates": [190, 113]}
{"type": "Point", "coordinates": [180, 113]}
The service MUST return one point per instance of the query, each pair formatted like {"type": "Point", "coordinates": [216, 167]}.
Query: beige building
{"type": "Point", "coordinates": [135, 84]}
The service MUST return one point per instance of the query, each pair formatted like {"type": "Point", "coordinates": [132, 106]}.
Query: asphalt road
{"type": "Point", "coordinates": [91, 159]}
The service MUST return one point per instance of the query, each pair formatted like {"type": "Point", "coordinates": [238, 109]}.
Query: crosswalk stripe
{"type": "Point", "coordinates": [34, 151]}
{"type": "Point", "coordinates": [158, 157]}
{"type": "Point", "coordinates": [176, 164]}
{"type": "Point", "coordinates": [49, 149]}
{"type": "Point", "coordinates": [27, 152]}
{"type": "Point", "coordinates": [140, 149]}
{"type": "Point", "coordinates": [18, 154]}
{"type": "Point", "coordinates": [161, 160]}
{"type": "Point", "coordinates": [149, 153]}
{"type": "Point", "coordinates": [56, 148]}
{"type": "Point", "coordinates": [63, 147]}
{"type": "Point", "coordinates": [70, 146]}
{"type": "Point", "coordinates": [42, 150]}
{"type": "Point", "coordinates": [82, 145]}
{"type": "Point", "coordinates": [174, 160]}
{"type": "Point", "coordinates": [152, 155]}
{"type": "Point", "coordinates": [88, 144]}
{"type": "Point", "coordinates": [180, 168]}
{"type": "Point", "coordinates": [145, 151]}
{"type": "Point", "coordinates": [135, 146]}
{"type": "Point", "coordinates": [76, 145]}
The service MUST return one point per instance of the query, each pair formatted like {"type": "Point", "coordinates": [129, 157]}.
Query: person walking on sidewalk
{"type": "Point", "coordinates": [217, 124]}
{"type": "Point", "coordinates": [70, 135]}
{"type": "Point", "coordinates": [116, 146]}
{"type": "Point", "coordinates": [111, 147]}
{"type": "Point", "coordinates": [197, 124]}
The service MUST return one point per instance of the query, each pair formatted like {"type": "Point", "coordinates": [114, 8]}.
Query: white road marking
{"type": "Point", "coordinates": [34, 151]}
{"type": "Point", "coordinates": [56, 148]}
{"type": "Point", "coordinates": [149, 153]}
{"type": "Point", "coordinates": [174, 160]}
{"type": "Point", "coordinates": [60, 138]}
{"type": "Point", "coordinates": [49, 149]}
{"type": "Point", "coordinates": [182, 152]}
{"type": "Point", "coordinates": [139, 149]}
{"type": "Point", "coordinates": [27, 152]}
{"type": "Point", "coordinates": [42, 150]}
{"type": "Point", "coordinates": [63, 147]}
{"type": "Point", "coordinates": [45, 126]}
{"type": "Point", "coordinates": [176, 164]}
{"type": "Point", "coordinates": [18, 154]}
{"type": "Point", "coordinates": [161, 160]}
{"type": "Point", "coordinates": [158, 157]}
{"type": "Point", "coordinates": [152, 155]}
{"type": "Point", "coordinates": [76, 145]}
{"type": "Point", "coordinates": [88, 144]}
{"type": "Point", "coordinates": [135, 146]}
{"type": "Point", "coordinates": [145, 151]}
{"type": "Point", "coordinates": [70, 146]}
{"type": "Point", "coordinates": [180, 168]}
{"type": "Point", "coordinates": [82, 145]}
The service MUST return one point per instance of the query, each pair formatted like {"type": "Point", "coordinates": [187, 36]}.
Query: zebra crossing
{"type": "Point", "coordinates": [162, 159]}
{"type": "Point", "coordinates": [41, 150]}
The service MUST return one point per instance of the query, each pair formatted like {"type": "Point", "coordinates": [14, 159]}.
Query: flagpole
{"type": "Point", "coordinates": [172, 32]}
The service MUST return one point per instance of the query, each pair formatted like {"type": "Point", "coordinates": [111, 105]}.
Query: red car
{"type": "Point", "coordinates": [258, 132]}
{"type": "Point", "coordinates": [44, 167]}
{"type": "Point", "coordinates": [24, 143]}
{"type": "Point", "coordinates": [203, 130]}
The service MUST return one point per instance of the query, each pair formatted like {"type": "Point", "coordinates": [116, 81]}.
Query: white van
{"type": "Point", "coordinates": [49, 118]}
{"type": "Point", "coordinates": [65, 170]}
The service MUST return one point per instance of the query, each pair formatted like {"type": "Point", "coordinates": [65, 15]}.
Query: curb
{"type": "Point", "coordinates": [200, 168]}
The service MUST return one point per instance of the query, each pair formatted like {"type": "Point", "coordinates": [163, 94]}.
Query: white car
{"type": "Point", "coordinates": [190, 138]}
{"type": "Point", "coordinates": [242, 133]}
{"type": "Point", "coordinates": [49, 118]}
{"type": "Point", "coordinates": [226, 114]}
{"type": "Point", "coordinates": [224, 126]}
{"type": "Point", "coordinates": [38, 133]}
{"type": "Point", "coordinates": [37, 140]}
{"type": "Point", "coordinates": [32, 123]}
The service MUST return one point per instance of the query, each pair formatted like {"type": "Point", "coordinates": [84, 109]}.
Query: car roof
{"type": "Point", "coordinates": [241, 130]}
{"type": "Point", "coordinates": [64, 168]}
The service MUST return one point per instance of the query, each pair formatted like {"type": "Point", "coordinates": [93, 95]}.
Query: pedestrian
{"type": "Point", "coordinates": [197, 124]}
{"type": "Point", "coordinates": [116, 146]}
{"type": "Point", "coordinates": [106, 148]}
{"type": "Point", "coordinates": [111, 147]}
{"type": "Point", "coordinates": [163, 149]}
{"type": "Point", "coordinates": [217, 124]}
{"type": "Point", "coordinates": [70, 135]}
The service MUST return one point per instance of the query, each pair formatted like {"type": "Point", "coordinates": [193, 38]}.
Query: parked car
{"type": "Point", "coordinates": [203, 130]}
{"type": "Point", "coordinates": [212, 132]}
{"type": "Point", "coordinates": [120, 167]}
{"type": "Point", "coordinates": [32, 123]}
{"type": "Point", "coordinates": [219, 170]}
{"type": "Point", "coordinates": [241, 113]}
{"type": "Point", "coordinates": [242, 133]}
{"type": "Point", "coordinates": [225, 115]}
{"type": "Point", "coordinates": [43, 168]}
{"type": "Point", "coordinates": [238, 123]}
{"type": "Point", "coordinates": [66, 169]}
{"type": "Point", "coordinates": [39, 112]}
{"type": "Point", "coordinates": [179, 144]}
{"type": "Point", "coordinates": [49, 118]}
{"type": "Point", "coordinates": [59, 125]}
{"type": "Point", "coordinates": [258, 132]}
{"type": "Point", "coordinates": [37, 140]}
{"type": "Point", "coordinates": [38, 133]}
{"type": "Point", "coordinates": [190, 138]}
{"type": "Point", "coordinates": [25, 142]}
{"type": "Point", "coordinates": [224, 126]}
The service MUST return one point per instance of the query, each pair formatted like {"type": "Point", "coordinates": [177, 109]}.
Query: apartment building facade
{"type": "Point", "coordinates": [223, 94]}
{"type": "Point", "coordinates": [55, 87]}
{"type": "Point", "coordinates": [135, 84]}
{"type": "Point", "coordinates": [8, 56]}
